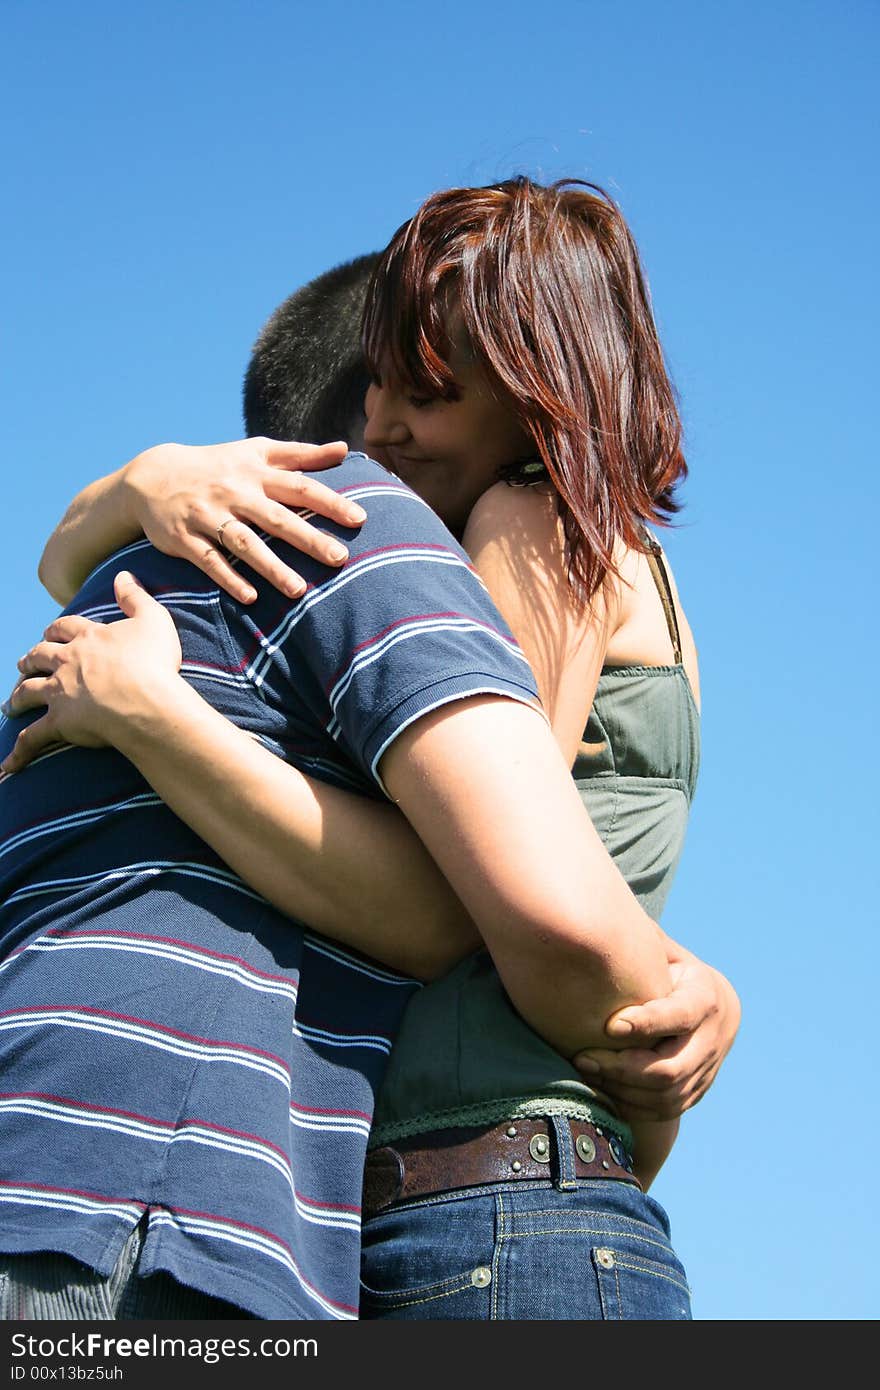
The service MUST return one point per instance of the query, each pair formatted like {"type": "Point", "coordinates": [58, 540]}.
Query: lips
{"type": "Point", "coordinates": [403, 465]}
{"type": "Point", "coordinates": [404, 459]}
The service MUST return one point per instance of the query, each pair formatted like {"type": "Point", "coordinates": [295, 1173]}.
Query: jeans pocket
{"type": "Point", "coordinates": [462, 1295]}
{"type": "Point", "coordinates": [419, 1263]}
{"type": "Point", "coordinates": [634, 1286]}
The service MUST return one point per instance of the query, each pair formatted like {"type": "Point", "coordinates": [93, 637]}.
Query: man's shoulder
{"type": "Point", "coordinates": [393, 508]}
{"type": "Point", "coordinates": [169, 577]}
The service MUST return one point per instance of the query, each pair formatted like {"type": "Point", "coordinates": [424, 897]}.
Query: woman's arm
{"type": "Point", "coordinates": [98, 521]}
{"type": "Point", "coordinates": [179, 496]}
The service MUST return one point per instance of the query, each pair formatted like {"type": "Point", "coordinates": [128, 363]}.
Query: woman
{"type": "Point", "coordinates": [509, 334]}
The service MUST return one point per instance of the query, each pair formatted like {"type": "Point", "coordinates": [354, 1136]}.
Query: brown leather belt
{"type": "Point", "coordinates": [514, 1151]}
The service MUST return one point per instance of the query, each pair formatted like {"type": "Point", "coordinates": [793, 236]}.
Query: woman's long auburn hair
{"type": "Point", "coordinates": [557, 313]}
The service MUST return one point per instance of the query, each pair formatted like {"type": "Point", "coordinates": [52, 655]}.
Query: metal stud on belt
{"type": "Point", "coordinates": [539, 1148]}
{"type": "Point", "coordinates": [585, 1147]}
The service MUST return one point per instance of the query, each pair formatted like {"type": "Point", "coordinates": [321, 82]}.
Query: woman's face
{"type": "Point", "coordinates": [448, 451]}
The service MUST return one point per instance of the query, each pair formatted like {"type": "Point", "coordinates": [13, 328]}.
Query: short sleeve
{"type": "Point", "coordinates": [404, 627]}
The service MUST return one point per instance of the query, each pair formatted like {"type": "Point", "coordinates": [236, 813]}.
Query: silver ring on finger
{"type": "Point", "coordinates": [220, 529]}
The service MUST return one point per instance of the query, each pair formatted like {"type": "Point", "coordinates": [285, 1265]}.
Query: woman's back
{"type": "Point", "coordinates": [638, 761]}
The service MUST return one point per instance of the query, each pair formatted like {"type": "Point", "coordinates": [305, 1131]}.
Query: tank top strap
{"type": "Point", "coordinates": [654, 556]}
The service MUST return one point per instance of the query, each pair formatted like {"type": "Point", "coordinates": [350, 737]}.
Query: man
{"type": "Point", "coordinates": [154, 1012]}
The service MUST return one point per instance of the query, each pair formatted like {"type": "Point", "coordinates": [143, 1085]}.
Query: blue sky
{"type": "Point", "coordinates": [173, 170]}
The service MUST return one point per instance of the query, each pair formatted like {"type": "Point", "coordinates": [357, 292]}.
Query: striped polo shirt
{"type": "Point", "coordinates": [171, 1046]}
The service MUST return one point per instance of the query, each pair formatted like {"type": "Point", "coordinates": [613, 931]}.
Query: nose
{"type": "Point", "coordinates": [385, 422]}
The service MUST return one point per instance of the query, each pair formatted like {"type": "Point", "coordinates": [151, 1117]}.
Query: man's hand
{"type": "Point", "coordinates": [670, 1049]}
{"type": "Point", "coordinates": [93, 677]}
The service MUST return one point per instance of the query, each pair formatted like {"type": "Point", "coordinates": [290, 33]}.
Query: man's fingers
{"type": "Point", "coordinates": [632, 1110]}
{"type": "Point", "coordinates": [664, 1081]}
{"type": "Point", "coordinates": [661, 1105]}
{"type": "Point", "coordinates": [299, 490]}
{"type": "Point", "coordinates": [28, 694]}
{"type": "Point", "coordinates": [131, 595]}
{"type": "Point", "coordinates": [66, 628]}
{"type": "Point", "coordinates": [642, 1066]}
{"type": "Point", "coordinates": [680, 1012]}
{"type": "Point", "coordinates": [42, 657]}
{"type": "Point", "coordinates": [668, 1064]}
{"type": "Point", "coordinates": [31, 742]}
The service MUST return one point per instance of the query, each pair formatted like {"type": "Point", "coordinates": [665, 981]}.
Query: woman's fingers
{"type": "Point", "coordinates": [212, 561]}
{"type": "Point", "coordinates": [295, 530]}
{"type": "Point", "coordinates": [299, 490]}
{"type": "Point", "coordinates": [133, 598]}
{"type": "Point", "coordinates": [207, 506]}
{"type": "Point", "coordinates": [292, 453]}
{"type": "Point", "coordinates": [241, 541]}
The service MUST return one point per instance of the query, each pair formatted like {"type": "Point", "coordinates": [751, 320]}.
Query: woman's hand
{"type": "Point", "coordinates": [94, 678]}
{"type": "Point", "coordinates": [207, 503]}
{"type": "Point", "coordinates": [670, 1049]}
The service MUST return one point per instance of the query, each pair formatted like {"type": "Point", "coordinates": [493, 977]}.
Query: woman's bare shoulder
{"type": "Point", "coordinates": [641, 635]}
{"type": "Point", "coordinates": [512, 512]}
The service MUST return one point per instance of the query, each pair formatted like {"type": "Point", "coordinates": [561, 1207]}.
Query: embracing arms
{"type": "Point", "coordinates": [480, 780]}
{"type": "Point", "coordinates": [682, 1038]}
{"type": "Point", "coordinates": [179, 495]}
{"type": "Point", "coordinates": [308, 847]}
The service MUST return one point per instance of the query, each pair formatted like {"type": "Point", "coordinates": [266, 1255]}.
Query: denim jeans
{"type": "Point", "coordinates": [48, 1286]}
{"type": "Point", "coordinates": [524, 1251]}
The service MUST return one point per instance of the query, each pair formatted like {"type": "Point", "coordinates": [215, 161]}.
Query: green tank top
{"type": "Point", "coordinates": [463, 1055]}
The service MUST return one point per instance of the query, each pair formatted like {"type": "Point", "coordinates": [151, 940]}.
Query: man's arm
{"type": "Point", "coordinates": [480, 779]}
{"type": "Point", "coordinates": [664, 1056]}
{"type": "Point", "coordinates": [486, 788]}
{"type": "Point", "coordinates": [311, 849]}
{"type": "Point", "coordinates": [674, 1046]}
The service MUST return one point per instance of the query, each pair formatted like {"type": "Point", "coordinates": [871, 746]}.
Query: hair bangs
{"type": "Point", "coordinates": [405, 328]}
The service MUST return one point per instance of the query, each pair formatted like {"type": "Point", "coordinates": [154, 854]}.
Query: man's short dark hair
{"type": "Point", "coordinates": [307, 377]}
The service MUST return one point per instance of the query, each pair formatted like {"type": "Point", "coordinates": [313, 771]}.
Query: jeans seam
{"type": "Point", "coordinates": [600, 1285]}
{"type": "Point", "coordinates": [511, 1185]}
{"type": "Point", "coordinates": [652, 1273]}
{"type": "Point", "coordinates": [402, 1301]}
{"type": "Point", "coordinates": [439, 1285]}
{"type": "Point", "coordinates": [583, 1231]}
{"type": "Point", "coordinates": [496, 1256]}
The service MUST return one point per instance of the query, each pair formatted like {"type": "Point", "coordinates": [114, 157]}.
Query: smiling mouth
{"type": "Point", "coordinates": [401, 463]}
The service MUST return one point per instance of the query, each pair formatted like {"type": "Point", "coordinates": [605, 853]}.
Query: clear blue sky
{"type": "Point", "coordinates": [172, 170]}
